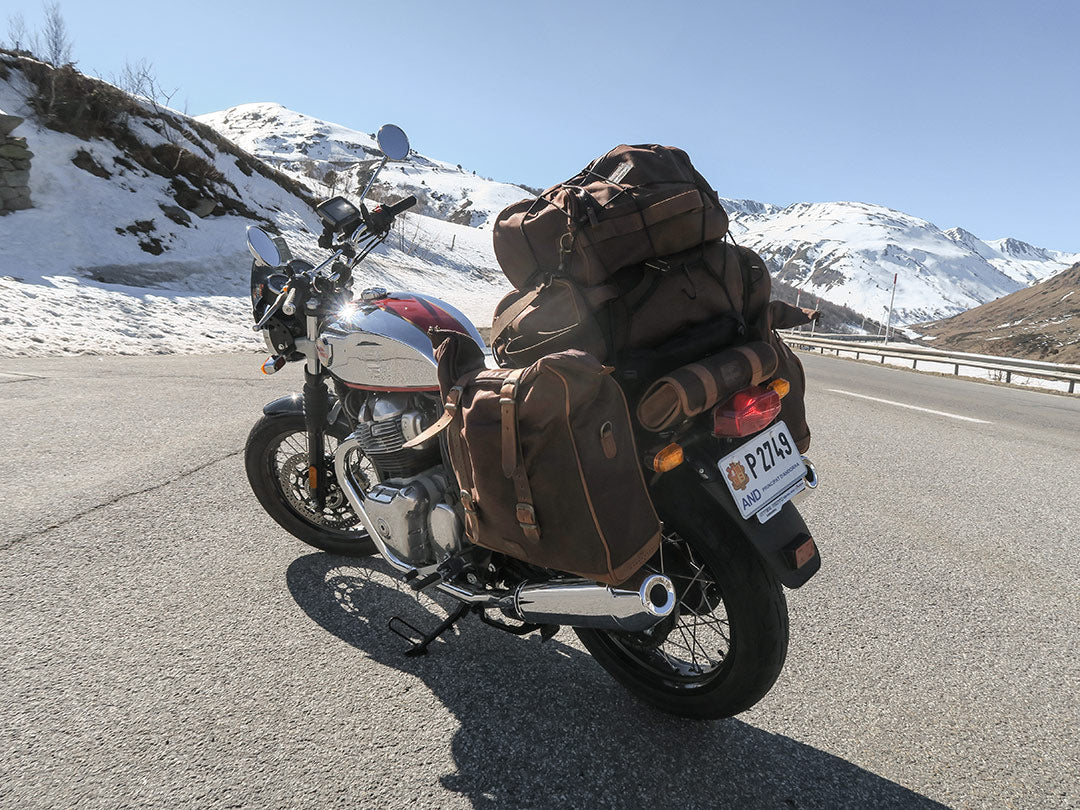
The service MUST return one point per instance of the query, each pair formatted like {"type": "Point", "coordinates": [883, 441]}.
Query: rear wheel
{"type": "Point", "coordinates": [724, 645]}
{"type": "Point", "coordinates": [277, 465]}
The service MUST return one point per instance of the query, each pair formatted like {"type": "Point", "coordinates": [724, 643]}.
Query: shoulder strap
{"type": "Point", "coordinates": [449, 410]}
{"type": "Point", "coordinates": [507, 316]}
{"type": "Point", "coordinates": [513, 465]}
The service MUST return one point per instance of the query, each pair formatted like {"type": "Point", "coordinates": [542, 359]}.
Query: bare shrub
{"type": "Point", "coordinates": [55, 42]}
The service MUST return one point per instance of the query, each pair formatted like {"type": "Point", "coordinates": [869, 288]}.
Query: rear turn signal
{"type": "Point", "coordinates": [780, 386]}
{"type": "Point", "coordinates": [668, 459]}
{"type": "Point", "coordinates": [749, 411]}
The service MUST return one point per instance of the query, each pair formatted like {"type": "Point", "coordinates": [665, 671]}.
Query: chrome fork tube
{"type": "Point", "coordinates": [312, 365]}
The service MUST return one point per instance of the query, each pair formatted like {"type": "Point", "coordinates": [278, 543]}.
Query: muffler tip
{"type": "Point", "coordinates": [657, 595]}
{"type": "Point", "coordinates": [811, 476]}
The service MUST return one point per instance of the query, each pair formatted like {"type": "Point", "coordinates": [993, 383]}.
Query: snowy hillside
{"type": "Point", "coordinates": [331, 157]}
{"type": "Point", "coordinates": [847, 253]}
{"type": "Point", "coordinates": [135, 242]}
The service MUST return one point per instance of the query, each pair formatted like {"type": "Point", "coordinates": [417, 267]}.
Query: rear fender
{"type": "Point", "coordinates": [696, 484]}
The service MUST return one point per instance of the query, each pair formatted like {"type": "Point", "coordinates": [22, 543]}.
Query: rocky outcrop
{"type": "Point", "coordinates": [14, 167]}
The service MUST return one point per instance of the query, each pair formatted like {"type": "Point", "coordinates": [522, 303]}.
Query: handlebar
{"type": "Point", "coordinates": [399, 206]}
{"type": "Point", "coordinates": [381, 218]}
{"type": "Point", "coordinates": [376, 225]}
{"type": "Point", "coordinates": [289, 307]}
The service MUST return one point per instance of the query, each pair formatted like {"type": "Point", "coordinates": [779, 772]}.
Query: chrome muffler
{"type": "Point", "coordinates": [573, 602]}
{"type": "Point", "coordinates": [581, 603]}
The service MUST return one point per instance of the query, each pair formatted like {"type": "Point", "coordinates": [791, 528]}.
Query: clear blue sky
{"type": "Point", "coordinates": [965, 113]}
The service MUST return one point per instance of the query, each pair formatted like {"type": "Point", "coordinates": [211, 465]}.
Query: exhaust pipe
{"type": "Point", "coordinates": [574, 602]}
{"type": "Point", "coordinates": [580, 603]}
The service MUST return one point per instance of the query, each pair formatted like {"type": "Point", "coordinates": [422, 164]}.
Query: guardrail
{"type": "Point", "coordinates": [907, 351]}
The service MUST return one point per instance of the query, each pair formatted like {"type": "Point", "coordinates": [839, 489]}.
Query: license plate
{"type": "Point", "coordinates": [765, 473]}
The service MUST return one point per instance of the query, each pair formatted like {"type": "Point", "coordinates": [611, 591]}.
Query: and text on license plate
{"type": "Point", "coordinates": [764, 473]}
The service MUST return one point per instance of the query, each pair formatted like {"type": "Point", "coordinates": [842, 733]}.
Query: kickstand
{"type": "Point", "coordinates": [420, 647]}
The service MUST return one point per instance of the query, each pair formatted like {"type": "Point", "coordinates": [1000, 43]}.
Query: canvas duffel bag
{"type": "Point", "coordinates": [554, 316]}
{"type": "Point", "coordinates": [546, 462]}
{"type": "Point", "coordinates": [693, 389]}
{"type": "Point", "coordinates": [662, 297]}
{"type": "Point", "coordinates": [632, 204]}
{"type": "Point", "coordinates": [641, 308]}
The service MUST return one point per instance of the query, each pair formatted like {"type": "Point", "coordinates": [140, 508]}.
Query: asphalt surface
{"type": "Point", "coordinates": [165, 644]}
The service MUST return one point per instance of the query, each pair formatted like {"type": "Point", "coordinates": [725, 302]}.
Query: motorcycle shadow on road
{"type": "Point", "coordinates": [541, 725]}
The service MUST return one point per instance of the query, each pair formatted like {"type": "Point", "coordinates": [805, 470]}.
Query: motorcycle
{"type": "Point", "coordinates": [701, 632]}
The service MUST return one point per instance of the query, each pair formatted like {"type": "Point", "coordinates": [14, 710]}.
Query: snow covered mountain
{"type": "Point", "coordinates": [848, 253]}
{"type": "Point", "coordinates": [332, 158]}
{"type": "Point", "coordinates": [135, 241]}
{"type": "Point", "coordinates": [844, 252]}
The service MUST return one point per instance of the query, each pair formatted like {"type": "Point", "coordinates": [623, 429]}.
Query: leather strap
{"type": "Point", "coordinates": [752, 358]}
{"type": "Point", "coordinates": [508, 315]}
{"type": "Point", "coordinates": [513, 465]}
{"type": "Point", "coordinates": [450, 408]}
{"type": "Point", "coordinates": [460, 463]}
{"type": "Point", "coordinates": [708, 383]}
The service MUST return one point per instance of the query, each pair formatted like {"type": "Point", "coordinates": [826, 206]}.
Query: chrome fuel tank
{"type": "Point", "coordinates": [383, 344]}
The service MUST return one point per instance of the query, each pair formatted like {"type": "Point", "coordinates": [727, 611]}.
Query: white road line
{"type": "Point", "coordinates": [911, 407]}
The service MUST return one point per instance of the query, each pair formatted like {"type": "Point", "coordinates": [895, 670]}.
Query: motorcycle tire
{"type": "Point", "coordinates": [669, 667]}
{"type": "Point", "coordinates": [276, 461]}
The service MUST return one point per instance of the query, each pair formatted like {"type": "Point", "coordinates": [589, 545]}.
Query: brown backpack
{"type": "Point", "coordinates": [632, 204]}
{"type": "Point", "coordinates": [663, 297]}
{"type": "Point", "coordinates": [546, 462]}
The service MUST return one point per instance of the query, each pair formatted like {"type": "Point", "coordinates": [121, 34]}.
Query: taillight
{"type": "Point", "coordinates": [748, 411]}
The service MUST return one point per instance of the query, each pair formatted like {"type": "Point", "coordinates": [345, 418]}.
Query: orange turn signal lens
{"type": "Point", "coordinates": [273, 364]}
{"type": "Point", "coordinates": [780, 386]}
{"type": "Point", "coordinates": [668, 459]}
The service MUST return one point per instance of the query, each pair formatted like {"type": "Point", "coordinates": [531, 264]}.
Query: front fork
{"type": "Point", "coordinates": [316, 407]}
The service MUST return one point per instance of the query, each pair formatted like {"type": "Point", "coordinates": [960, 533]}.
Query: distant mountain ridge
{"type": "Point", "coordinates": [848, 253]}
{"type": "Point", "coordinates": [1041, 322]}
{"type": "Point", "coordinates": [333, 158]}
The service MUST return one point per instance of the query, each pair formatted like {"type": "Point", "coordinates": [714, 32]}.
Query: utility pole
{"type": "Point", "coordinates": [798, 298]}
{"type": "Point", "coordinates": [814, 323]}
{"type": "Point", "coordinates": [892, 299]}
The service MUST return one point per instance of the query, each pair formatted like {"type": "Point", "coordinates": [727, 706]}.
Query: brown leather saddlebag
{"type": "Point", "coordinates": [546, 462]}
{"type": "Point", "coordinates": [632, 204]}
{"type": "Point", "coordinates": [693, 389]}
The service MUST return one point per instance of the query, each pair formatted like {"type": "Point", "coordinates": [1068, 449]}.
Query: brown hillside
{"type": "Point", "coordinates": [1041, 322]}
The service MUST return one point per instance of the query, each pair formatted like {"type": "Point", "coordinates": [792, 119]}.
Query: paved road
{"type": "Point", "coordinates": [165, 644]}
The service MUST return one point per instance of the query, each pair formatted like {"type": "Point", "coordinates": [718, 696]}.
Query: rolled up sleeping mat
{"type": "Point", "coordinates": [694, 388]}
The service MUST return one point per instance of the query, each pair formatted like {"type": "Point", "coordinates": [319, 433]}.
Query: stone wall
{"type": "Point", "coordinates": [14, 167]}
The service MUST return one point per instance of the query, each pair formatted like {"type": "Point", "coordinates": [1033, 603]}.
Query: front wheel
{"type": "Point", "coordinates": [723, 646]}
{"type": "Point", "coordinates": [277, 463]}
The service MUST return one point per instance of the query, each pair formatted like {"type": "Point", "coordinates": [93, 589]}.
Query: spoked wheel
{"type": "Point", "coordinates": [723, 646]}
{"type": "Point", "coordinates": [276, 462]}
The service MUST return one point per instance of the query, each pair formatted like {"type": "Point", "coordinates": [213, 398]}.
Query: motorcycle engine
{"type": "Point", "coordinates": [411, 505]}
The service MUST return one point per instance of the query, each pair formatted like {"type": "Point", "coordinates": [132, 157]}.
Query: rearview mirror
{"type": "Point", "coordinates": [393, 142]}
{"type": "Point", "coordinates": [262, 247]}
